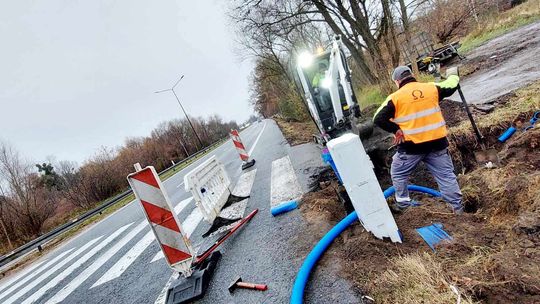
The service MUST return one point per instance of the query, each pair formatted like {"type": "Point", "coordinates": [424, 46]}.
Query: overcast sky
{"type": "Point", "coordinates": [76, 75]}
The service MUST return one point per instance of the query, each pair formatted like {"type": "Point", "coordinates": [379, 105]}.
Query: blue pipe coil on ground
{"type": "Point", "coordinates": [297, 296]}
{"type": "Point", "coordinates": [507, 134]}
{"type": "Point", "coordinates": [284, 207]}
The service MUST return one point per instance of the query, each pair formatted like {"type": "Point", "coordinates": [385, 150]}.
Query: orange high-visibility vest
{"type": "Point", "coordinates": [418, 113]}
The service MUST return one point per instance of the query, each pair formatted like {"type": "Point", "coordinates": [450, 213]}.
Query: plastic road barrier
{"type": "Point", "coordinates": [209, 184]}
{"type": "Point", "coordinates": [157, 207]}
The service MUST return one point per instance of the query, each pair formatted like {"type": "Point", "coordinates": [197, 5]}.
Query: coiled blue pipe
{"type": "Point", "coordinates": [284, 207]}
{"type": "Point", "coordinates": [297, 296]}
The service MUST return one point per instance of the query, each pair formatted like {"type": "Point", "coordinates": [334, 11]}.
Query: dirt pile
{"type": "Point", "coordinates": [494, 256]}
{"type": "Point", "coordinates": [321, 206]}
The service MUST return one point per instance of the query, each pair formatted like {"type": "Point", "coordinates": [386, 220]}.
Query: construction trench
{"type": "Point", "coordinates": [494, 256]}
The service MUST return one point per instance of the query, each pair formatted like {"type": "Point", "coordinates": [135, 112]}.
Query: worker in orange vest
{"type": "Point", "coordinates": [413, 115]}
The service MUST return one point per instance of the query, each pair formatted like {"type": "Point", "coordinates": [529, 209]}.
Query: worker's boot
{"type": "Point", "coordinates": [405, 205]}
{"type": "Point", "coordinates": [458, 210]}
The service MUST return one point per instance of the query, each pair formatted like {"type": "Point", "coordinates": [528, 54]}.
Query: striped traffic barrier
{"type": "Point", "coordinates": [244, 156]}
{"type": "Point", "coordinates": [157, 207]}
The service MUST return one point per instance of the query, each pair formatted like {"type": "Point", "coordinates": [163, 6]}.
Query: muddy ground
{"type": "Point", "coordinates": [494, 256]}
{"type": "Point", "coordinates": [501, 65]}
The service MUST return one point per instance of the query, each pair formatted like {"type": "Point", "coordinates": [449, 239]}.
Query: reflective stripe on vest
{"type": "Point", "coordinates": [425, 128]}
{"type": "Point", "coordinates": [417, 115]}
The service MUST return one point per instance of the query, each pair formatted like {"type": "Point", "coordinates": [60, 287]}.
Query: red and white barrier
{"type": "Point", "coordinates": [246, 163]}
{"type": "Point", "coordinates": [156, 205]}
{"type": "Point", "coordinates": [239, 145]}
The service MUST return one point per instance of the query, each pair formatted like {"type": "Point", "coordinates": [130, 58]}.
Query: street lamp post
{"type": "Point", "coordinates": [183, 110]}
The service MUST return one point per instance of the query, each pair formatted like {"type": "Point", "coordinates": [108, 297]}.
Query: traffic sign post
{"type": "Point", "coordinates": [156, 205]}
{"type": "Point", "coordinates": [237, 141]}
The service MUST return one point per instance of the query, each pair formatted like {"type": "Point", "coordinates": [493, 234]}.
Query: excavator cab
{"type": "Point", "coordinates": [325, 80]}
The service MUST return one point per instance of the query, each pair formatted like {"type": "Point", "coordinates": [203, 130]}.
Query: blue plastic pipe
{"type": "Point", "coordinates": [297, 296]}
{"type": "Point", "coordinates": [507, 134]}
{"type": "Point", "coordinates": [284, 207]}
{"type": "Point", "coordinates": [390, 191]}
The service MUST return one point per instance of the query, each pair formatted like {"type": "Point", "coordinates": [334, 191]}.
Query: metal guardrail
{"type": "Point", "coordinates": [41, 240]}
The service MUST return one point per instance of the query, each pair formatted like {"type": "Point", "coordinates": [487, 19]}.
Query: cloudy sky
{"type": "Point", "coordinates": [80, 74]}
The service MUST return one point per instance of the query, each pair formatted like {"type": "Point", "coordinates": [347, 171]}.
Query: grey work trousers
{"type": "Point", "coordinates": [439, 163]}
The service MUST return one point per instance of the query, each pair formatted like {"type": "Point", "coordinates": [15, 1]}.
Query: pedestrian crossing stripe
{"type": "Point", "coordinates": [77, 263]}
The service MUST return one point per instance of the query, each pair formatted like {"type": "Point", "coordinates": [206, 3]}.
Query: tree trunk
{"type": "Point", "coordinates": [411, 57]}
{"type": "Point", "coordinates": [393, 45]}
{"type": "Point", "coordinates": [355, 50]}
{"type": "Point", "coordinates": [6, 233]}
{"type": "Point", "coordinates": [472, 5]}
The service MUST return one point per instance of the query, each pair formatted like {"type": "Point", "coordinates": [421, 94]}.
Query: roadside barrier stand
{"type": "Point", "coordinates": [209, 184]}
{"type": "Point", "coordinates": [356, 171]}
{"type": "Point", "coordinates": [237, 141]}
{"type": "Point", "coordinates": [157, 207]}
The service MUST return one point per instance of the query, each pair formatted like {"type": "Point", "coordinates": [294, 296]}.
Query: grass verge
{"type": "Point", "coordinates": [296, 132]}
{"type": "Point", "coordinates": [370, 95]}
{"type": "Point", "coordinates": [494, 254]}
{"type": "Point", "coordinates": [524, 103]}
{"type": "Point", "coordinates": [500, 24]}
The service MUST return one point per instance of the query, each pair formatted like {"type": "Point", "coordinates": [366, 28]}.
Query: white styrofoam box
{"type": "Point", "coordinates": [356, 171]}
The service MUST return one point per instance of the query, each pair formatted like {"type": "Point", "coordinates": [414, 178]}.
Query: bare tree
{"type": "Point", "coordinates": [444, 19]}
{"type": "Point", "coordinates": [31, 202]}
{"type": "Point", "coordinates": [3, 204]}
{"type": "Point", "coordinates": [411, 56]}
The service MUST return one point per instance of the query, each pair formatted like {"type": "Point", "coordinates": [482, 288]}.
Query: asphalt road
{"type": "Point", "coordinates": [118, 261]}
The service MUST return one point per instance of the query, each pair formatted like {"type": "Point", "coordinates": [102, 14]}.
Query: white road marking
{"type": "Point", "coordinates": [242, 188]}
{"type": "Point", "coordinates": [257, 139]}
{"type": "Point", "coordinates": [189, 225]}
{"type": "Point", "coordinates": [180, 185]}
{"type": "Point", "coordinates": [192, 221]}
{"type": "Point", "coordinates": [33, 274]}
{"type": "Point", "coordinates": [57, 279]}
{"type": "Point", "coordinates": [126, 260]}
{"type": "Point", "coordinates": [159, 255]}
{"type": "Point", "coordinates": [49, 272]}
{"type": "Point", "coordinates": [19, 275]}
{"type": "Point", "coordinates": [284, 185]}
{"type": "Point", "coordinates": [83, 276]}
{"type": "Point", "coordinates": [163, 294]}
{"type": "Point", "coordinates": [245, 183]}
{"type": "Point", "coordinates": [183, 204]}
